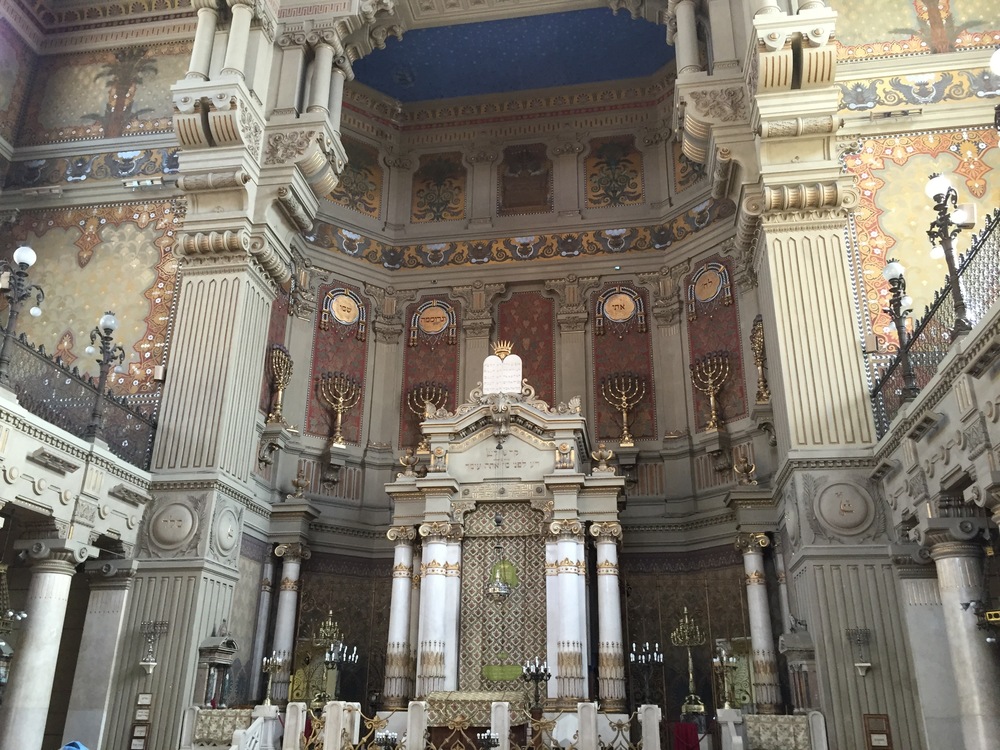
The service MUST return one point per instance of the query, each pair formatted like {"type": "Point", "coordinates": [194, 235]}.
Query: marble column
{"type": "Point", "coordinates": [611, 649]}
{"type": "Point", "coordinates": [204, 39]}
{"type": "Point", "coordinates": [686, 38]}
{"type": "Point", "coordinates": [571, 666]}
{"type": "Point", "coordinates": [765, 664]}
{"type": "Point", "coordinates": [960, 579]}
{"type": "Point", "coordinates": [283, 642]}
{"type": "Point", "coordinates": [33, 669]}
{"type": "Point", "coordinates": [398, 688]}
{"type": "Point", "coordinates": [335, 101]}
{"type": "Point", "coordinates": [452, 605]}
{"type": "Point", "coordinates": [260, 631]}
{"type": "Point", "coordinates": [90, 700]}
{"type": "Point", "coordinates": [433, 573]}
{"type": "Point", "coordinates": [779, 566]}
{"type": "Point", "coordinates": [239, 36]}
{"type": "Point", "coordinates": [552, 606]}
{"type": "Point", "coordinates": [411, 665]}
{"type": "Point", "coordinates": [322, 70]}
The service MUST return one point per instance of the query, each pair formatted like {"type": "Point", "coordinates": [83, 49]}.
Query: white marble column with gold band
{"type": "Point", "coordinates": [765, 664]}
{"type": "Point", "coordinates": [414, 622]}
{"type": "Point", "coordinates": [263, 615]}
{"type": "Point", "coordinates": [204, 38]}
{"type": "Point", "coordinates": [552, 606]}
{"type": "Point", "coordinates": [959, 561]}
{"type": "Point", "coordinates": [433, 614]}
{"type": "Point", "coordinates": [239, 36]}
{"type": "Point", "coordinates": [291, 556]}
{"type": "Point", "coordinates": [569, 611]}
{"type": "Point", "coordinates": [398, 688]}
{"type": "Point", "coordinates": [779, 566]}
{"type": "Point", "coordinates": [29, 687]}
{"type": "Point", "coordinates": [93, 681]}
{"type": "Point", "coordinates": [611, 650]}
{"type": "Point", "coordinates": [452, 605]}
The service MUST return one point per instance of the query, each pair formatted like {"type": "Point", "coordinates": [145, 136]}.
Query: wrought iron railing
{"type": "Point", "coordinates": [62, 396]}
{"type": "Point", "coordinates": [979, 279]}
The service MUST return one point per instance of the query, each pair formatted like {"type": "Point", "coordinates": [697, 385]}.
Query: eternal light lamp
{"type": "Point", "coordinates": [952, 218]}
{"type": "Point", "coordinates": [15, 287]}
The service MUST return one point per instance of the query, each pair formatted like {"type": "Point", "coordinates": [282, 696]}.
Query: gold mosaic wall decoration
{"type": "Point", "coordinates": [439, 188]}
{"type": "Point", "coordinates": [360, 186]}
{"type": "Point", "coordinates": [614, 174]}
{"type": "Point", "coordinates": [497, 637]}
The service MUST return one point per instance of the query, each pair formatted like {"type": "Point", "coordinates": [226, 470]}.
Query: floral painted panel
{"type": "Point", "coordinates": [439, 188]}
{"type": "Point", "coordinates": [16, 62]}
{"type": "Point", "coordinates": [901, 92]}
{"type": "Point", "coordinates": [360, 186]}
{"type": "Point", "coordinates": [686, 172]}
{"type": "Point", "coordinates": [524, 181]}
{"type": "Point", "coordinates": [906, 27]}
{"type": "Point", "coordinates": [106, 94]}
{"type": "Point", "coordinates": [614, 173]}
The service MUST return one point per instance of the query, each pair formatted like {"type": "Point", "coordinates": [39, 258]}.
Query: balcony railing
{"type": "Point", "coordinates": [62, 396]}
{"type": "Point", "coordinates": [979, 277]}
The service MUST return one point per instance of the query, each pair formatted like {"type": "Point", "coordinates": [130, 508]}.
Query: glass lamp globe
{"type": "Point", "coordinates": [937, 185]}
{"type": "Point", "coordinates": [108, 322]}
{"type": "Point", "coordinates": [995, 62]}
{"type": "Point", "coordinates": [893, 270]}
{"type": "Point", "coordinates": [937, 252]}
{"type": "Point", "coordinates": [35, 311]}
{"type": "Point", "coordinates": [25, 256]}
{"type": "Point", "coordinates": [906, 303]}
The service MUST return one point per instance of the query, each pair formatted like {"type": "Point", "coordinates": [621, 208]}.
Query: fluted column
{"type": "Point", "coordinates": [611, 649]}
{"type": "Point", "coordinates": [260, 632]}
{"type": "Point", "coordinates": [765, 664]}
{"type": "Point", "coordinates": [291, 556]}
{"type": "Point", "coordinates": [322, 70]}
{"type": "Point", "coordinates": [239, 36]}
{"type": "Point", "coordinates": [960, 578]}
{"type": "Point", "coordinates": [686, 38]}
{"type": "Point", "coordinates": [29, 689]}
{"type": "Point", "coordinates": [570, 653]}
{"type": "Point", "coordinates": [204, 39]}
{"type": "Point", "coordinates": [433, 574]}
{"type": "Point", "coordinates": [90, 700]}
{"type": "Point", "coordinates": [398, 687]}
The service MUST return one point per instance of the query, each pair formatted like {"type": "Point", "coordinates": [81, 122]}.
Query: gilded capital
{"type": "Point", "coordinates": [606, 531]}
{"type": "Point", "coordinates": [293, 552]}
{"type": "Point", "coordinates": [401, 534]}
{"type": "Point", "coordinates": [566, 529]}
{"type": "Point", "coordinates": [749, 542]}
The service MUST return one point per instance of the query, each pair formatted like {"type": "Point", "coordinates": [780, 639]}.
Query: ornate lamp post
{"type": "Point", "coordinates": [15, 287]}
{"type": "Point", "coordinates": [336, 658]}
{"type": "Point", "coordinates": [645, 661]}
{"type": "Point", "coordinates": [687, 634]}
{"type": "Point", "coordinates": [943, 231]}
{"type": "Point", "coordinates": [536, 674]}
{"type": "Point", "coordinates": [111, 353]}
{"type": "Point", "coordinates": [901, 305]}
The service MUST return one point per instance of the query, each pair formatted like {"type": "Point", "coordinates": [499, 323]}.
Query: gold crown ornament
{"type": "Point", "coordinates": [502, 349]}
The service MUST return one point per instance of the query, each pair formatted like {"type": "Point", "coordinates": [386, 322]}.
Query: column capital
{"type": "Point", "coordinates": [293, 551]}
{"type": "Point", "coordinates": [56, 555]}
{"type": "Point", "coordinates": [478, 303]}
{"type": "Point", "coordinates": [572, 291]}
{"type": "Point", "coordinates": [401, 535]}
{"type": "Point", "coordinates": [750, 542]}
{"type": "Point", "coordinates": [111, 574]}
{"type": "Point", "coordinates": [947, 549]}
{"type": "Point", "coordinates": [606, 531]}
{"type": "Point", "coordinates": [566, 529]}
{"type": "Point", "coordinates": [440, 531]}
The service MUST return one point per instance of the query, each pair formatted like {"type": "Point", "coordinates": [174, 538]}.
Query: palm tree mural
{"type": "Point", "coordinates": [122, 77]}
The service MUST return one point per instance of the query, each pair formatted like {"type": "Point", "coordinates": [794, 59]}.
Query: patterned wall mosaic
{"type": "Point", "coordinates": [657, 587]}
{"type": "Point", "coordinates": [340, 346]}
{"type": "Point", "coordinates": [872, 95]}
{"type": "Point", "coordinates": [543, 246]}
{"type": "Point", "coordinates": [614, 174]}
{"type": "Point", "coordinates": [713, 322]}
{"type": "Point", "coordinates": [906, 27]}
{"type": "Point", "coordinates": [430, 362]}
{"type": "Point", "coordinates": [528, 320]}
{"type": "Point", "coordinates": [16, 63]}
{"type": "Point", "coordinates": [93, 167]}
{"type": "Point", "coordinates": [439, 188]}
{"type": "Point", "coordinates": [358, 592]}
{"type": "Point", "coordinates": [360, 186]}
{"type": "Point", "coordinates": [621, 345]}
{"type": "Point", "coordinates": [97, 258]}
{"type": "Point", "coordinates": [894, 214]}
{"type": "Point", "coordinates": [524, 180]}
{"type": "Point", "coordinates": [496, 638]}
{"type": "Point", "coordinates": [104, 94]}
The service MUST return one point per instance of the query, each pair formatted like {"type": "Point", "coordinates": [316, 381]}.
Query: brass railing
{"type": "Point", "coordinates": [979, 277]}
{"type": "Point", "coordinates": [64, 397]}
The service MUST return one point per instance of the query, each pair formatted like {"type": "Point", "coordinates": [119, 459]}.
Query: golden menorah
{"type": "Point", "coordinates": [709, 374]}
{"type": "Point", "coordinates": [339, 393]}
{"type": "Point", "coordinates": [423, 400]}
{"type": "Point", "coordinates": [688, 633]}
{"type": "Point", "coordinates": [623, 391]}
{"type": "Point", "coordinates": [280, 365]}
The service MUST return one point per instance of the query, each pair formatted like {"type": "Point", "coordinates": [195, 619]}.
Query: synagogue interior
{"type": "Point", "coordinates": [499, 374]}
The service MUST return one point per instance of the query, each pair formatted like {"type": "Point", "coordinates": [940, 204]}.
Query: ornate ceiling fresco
{"type": "Point", "coordinates": [516, 54]}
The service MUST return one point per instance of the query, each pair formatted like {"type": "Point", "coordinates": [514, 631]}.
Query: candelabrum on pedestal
{"type": "Point", "coordinates": [386, 740]}
{"type": "Point", "coordinates": [280, 364]}
{"type": "Point", "coordinates": [623, 391]}
{"type": "Point", "coordinates": [271, 665]}
{"type": "Point", "coordinates": [537, 673]}
{"type": "Point", "coordinates": [643, 661]}
{"type": "Point", "coordinates": [339, 393]}
{"type": "Point", "coordinates": [151, 630]}
{"type": "Point", "coordinates": [423, 400]}
{"type": "Point", "coordinates": [687, 634]}
{"type": "Point", "coordinates": [487, 740]}
{"type": "Point", "coordinates": [709, 375]}
{"type": "Point", "coordinates": [724, 664]}
{"type": "Point", "coordinates": [760, 360]}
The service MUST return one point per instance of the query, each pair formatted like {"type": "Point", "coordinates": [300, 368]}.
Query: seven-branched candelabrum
{"type": "Point", "coordinates": [339, 393]}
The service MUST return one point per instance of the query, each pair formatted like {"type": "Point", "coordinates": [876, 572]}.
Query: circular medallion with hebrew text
{"type": "Point", "coordinates": [433, 320]}
{"type": "Point", "coordinates": [344, 309]}
{"type": "Point", "coordinates": [227, 530]}
{"type": "Point", "coordinates": [844, 508]}
{"type": "Point", "coordinates": [173, 525]}
{"type": "Point", "coordinates": [619, 307]}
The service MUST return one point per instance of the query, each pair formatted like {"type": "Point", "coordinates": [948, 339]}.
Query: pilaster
{"type": "Point", "coordinates": [574, 363]}
{"type": "Point", "coordinates": [477, 323]}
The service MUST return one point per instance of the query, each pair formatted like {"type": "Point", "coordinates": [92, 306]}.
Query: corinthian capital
{"type": "Point", "coordinates": [401, 534]}
{"type": "Point", "coordinates": [749, 542]}
{"type": "Point", "coordinates": [293, 551]}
